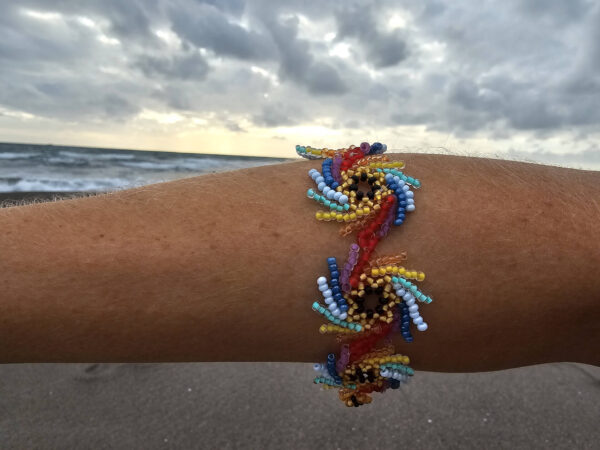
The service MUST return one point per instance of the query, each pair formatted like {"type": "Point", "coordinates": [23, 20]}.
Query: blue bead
{"type": "Point", "coordinates": [402, 203]}
{"type": "Point", "coordinates": [398, 222]}
{"type": "Point", "coordinates": [334, 185]}
{"type": "Point", "coordinates": [335, 274]}
{"type": "Point", "coordinates": [337, 297]}
{"type": "Point", "coordinates": [343, 308]}
{"type": "Point", "coordinates": [376, 147]}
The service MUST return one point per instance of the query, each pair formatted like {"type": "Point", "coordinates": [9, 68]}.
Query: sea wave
{"type": "Point", "coordinates": [16, 184]}
{"type": "Point", "coordinates": [17, 155]}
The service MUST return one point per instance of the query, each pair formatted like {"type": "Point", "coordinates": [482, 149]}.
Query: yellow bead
{"type": "Point", "coordinates": [326, 216]}
{"type": "Point", "coordinates": [352, 216]}
{"type": "Point", "coordinates": [395, 270]}
{"type": "Point", "coordinates": [421, 276]}
{"type": "Point", "coordinates": [359, 212]}
{"type": "Point", "coordinates": [346, 217]}
{"type": "Point", "coordinates": [401, 270]}
{"type": "Point", "coordinates": [323, 329]}
{"type": "Point", "coordinates": [366, 210]}
{"type": "Point", "coordinates": [319, 215]}
{"type": "Point", "coordinates": [374, 272]}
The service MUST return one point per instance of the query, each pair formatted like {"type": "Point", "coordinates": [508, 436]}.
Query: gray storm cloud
{"type": "Point", "coordinates": [453, 67]}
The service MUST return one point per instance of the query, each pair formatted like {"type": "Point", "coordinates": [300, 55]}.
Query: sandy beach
{"type": "Point", "coordinates": [275, 405]}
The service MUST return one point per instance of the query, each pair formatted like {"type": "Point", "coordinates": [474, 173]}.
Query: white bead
{"type": "Point", "coordinates": [406, 296]}
{"type": "Point", "coordinates": [410, 194]}
{"type": "Point", "coordinates": [343, 199]}
{"type": "Point", "coordinates": [321, 185]}
{"type": "Point", "coordinates": [406, 187]}
{"type": "Point", "coordinates": [323, 287]}
{"type": "Point", "coordinates": [327, 293]}
{"type": "Point", "coordinates": [329, 300]}
{"type": "Point", "coordinates": [410, 301]}
{"type": "Point", "coordinates": [414, 315]}
{"type": "Point", "coordinates": [400, 292]}
{"type": "Point", "coordinates": [311, 171]}
{"type": "Point", "coordinates": [336, 312]}
{"type": "Point", "coordinates": [330, 194]}
{"type": "Point", "coordinates": [418, 320]}
{"type": "Point", "coordinates": [384, 149]}
{"type": "Point", "coordinates": [337, 195]}
{"type": "Point", "coordinates": [343, 316]}
{"type": "Point", "coordinates": [410, 201]}
{"type": "Point", "coordinates": [321, 281]}
{"type": "Point", "coordinates": [326, 189]}
{"type": "Point", "coordinates": [332, 306]}
{"type": "Point", "coordinates": [410, 207]}
{"type": "Point", "coordinates": [422, 326]}
{"type": "Point", "coordinates": [385, 373]}
{"type": "Point", "coordinates": [320, 179]}
{"type": "Point", "coordinates": [413, 308]}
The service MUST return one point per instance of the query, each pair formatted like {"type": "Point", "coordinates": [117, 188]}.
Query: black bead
{"type": "Point", "coordinates": [368, 290]}
{"type": "Point", "coordinates": [360, 309]}
{"type": "Point", "coordinates": [370, 195]}
{"type": "Point", "coordinates": [363, 176]}
{"type": "Point", "coordinates": [371, 374]}
{"type": "Point", "coordinates": [379, 309]}
{"type": "Point", "coordinates": [369, 313]}
{"type": "Point", "coordinates": [360, 375]}
{"type": "Point", "coordinates": [355, 178]}
{"type": "Point", "coordinates": [353, 187]}
{"type": "Point", "coordinates": [354, 401]}
{"type": "Point", "coordinates": [360, 195]}
{"type": "Point", "coordinates": [383, 301]}
{"type": "Point", "coordinates": [375, 187]}
{"type": "Point", "coordinates": [379, 290]}
{"type": "Point", "coordinates": [372, 180]}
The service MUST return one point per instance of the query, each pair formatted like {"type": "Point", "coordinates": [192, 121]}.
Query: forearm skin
{"type": "Point", "coordinates": [223, 267]}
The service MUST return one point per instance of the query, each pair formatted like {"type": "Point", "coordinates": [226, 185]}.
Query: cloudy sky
{"type": "Point", "coordinates": [515, 79]}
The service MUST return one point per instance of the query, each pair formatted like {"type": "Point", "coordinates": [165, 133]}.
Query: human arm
{"type": "Point", "coordinates": [222, 267]}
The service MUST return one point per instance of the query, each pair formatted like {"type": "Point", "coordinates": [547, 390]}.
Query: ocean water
{"type": "Point", "coordinates": [49, 168]}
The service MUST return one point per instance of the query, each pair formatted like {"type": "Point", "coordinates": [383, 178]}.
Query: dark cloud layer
{"type": "Point", "coordinates": [453, 67]}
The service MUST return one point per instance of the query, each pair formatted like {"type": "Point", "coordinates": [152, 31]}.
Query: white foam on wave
{"type": "Point", "coordinates": [14, 155]}
{"type": "Point", "coordinates": [63, 185]}
{"type": "Point", "coordinates": [100, 156]}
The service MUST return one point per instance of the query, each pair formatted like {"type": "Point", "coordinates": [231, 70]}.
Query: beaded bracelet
{"type": "Point", "coordinates": [367, 361]}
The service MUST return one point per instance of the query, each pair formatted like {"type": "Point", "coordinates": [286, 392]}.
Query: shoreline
{"type": "Point", "coordinates": [12, 198]}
